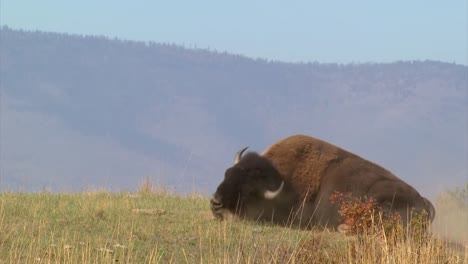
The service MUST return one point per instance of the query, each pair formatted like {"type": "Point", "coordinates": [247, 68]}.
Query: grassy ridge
{"type": "Point", "coordinates": [102, 227]}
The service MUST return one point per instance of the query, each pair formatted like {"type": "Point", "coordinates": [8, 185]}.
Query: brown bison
{"type": "Point", "coordinates": [291, 183]}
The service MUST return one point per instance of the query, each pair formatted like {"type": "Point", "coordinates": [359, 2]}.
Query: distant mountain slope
{"type": "Point", "coordinates": [88, 111]}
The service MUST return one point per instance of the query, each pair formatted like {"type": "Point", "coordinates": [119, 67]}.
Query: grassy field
{"type": "Point", "coordinates": [158, 227]}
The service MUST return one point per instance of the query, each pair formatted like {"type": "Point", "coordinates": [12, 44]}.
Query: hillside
{"type": "Point", "coordinates": [80, 112]}
{"type": "Point", "coordinates": [159, 227]}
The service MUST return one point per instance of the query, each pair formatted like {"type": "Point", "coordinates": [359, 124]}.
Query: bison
{"type": "Point", "coordinates": [291, 183]}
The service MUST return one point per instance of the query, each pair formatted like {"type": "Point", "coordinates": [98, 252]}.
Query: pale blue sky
{"type": "Point", "coordinates": [324, 31]}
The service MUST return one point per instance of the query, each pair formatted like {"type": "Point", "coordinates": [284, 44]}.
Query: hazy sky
{"type": "Point", "coordinates": [324, 31]}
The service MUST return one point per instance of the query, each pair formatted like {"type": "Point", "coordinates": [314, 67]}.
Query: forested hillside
{"type": "Point", "coordinates": [82, 112]}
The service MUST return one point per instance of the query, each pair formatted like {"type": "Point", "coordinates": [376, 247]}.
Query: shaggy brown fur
{"type": "Point", "coordinates": [313, 154]}
{"type": "Point", "coordinates": [316, 158]}
{"type": "Point", "coordinates": [311, 170]}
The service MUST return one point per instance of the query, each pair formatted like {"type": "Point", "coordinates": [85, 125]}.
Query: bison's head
{"type": "Point", "coordinates": [250, 186]}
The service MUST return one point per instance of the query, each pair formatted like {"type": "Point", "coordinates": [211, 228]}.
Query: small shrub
{"type": "Point", "coordinates": [362, 215]}
{"type": "Point", "coordinates": [381, 236]}
{"type": "Point", "coordinates": [359, 213]}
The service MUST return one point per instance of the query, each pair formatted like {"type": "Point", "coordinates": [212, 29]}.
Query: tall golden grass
{"type": "Point", "coordinates": [159, 227]}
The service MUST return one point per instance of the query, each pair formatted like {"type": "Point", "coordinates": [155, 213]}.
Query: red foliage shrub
{"type": "Point", "coordinates": [359, 213]}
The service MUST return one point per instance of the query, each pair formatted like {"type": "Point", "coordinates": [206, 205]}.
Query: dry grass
{"type": "Point", "coordinates": [158, 227]}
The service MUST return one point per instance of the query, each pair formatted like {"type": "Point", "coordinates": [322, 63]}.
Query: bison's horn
{"type": "Point", "coordinates": [239, 155]}
{"type": "Point", "coordinates": [272, 194]}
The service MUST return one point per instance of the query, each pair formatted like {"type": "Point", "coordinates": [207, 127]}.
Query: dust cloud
{"type": "Point", "coordinates": [451, 220]}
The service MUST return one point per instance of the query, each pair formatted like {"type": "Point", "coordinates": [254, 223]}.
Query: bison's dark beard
{"type": "Point", "coordinates": [283, 211]}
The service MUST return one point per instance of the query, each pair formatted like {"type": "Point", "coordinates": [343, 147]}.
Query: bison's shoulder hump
{"type": "Point", "coordinates": [302, 160]}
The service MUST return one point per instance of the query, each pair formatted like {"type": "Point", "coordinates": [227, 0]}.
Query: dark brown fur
{"type": "Point", "coordinates": [312, 170]}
